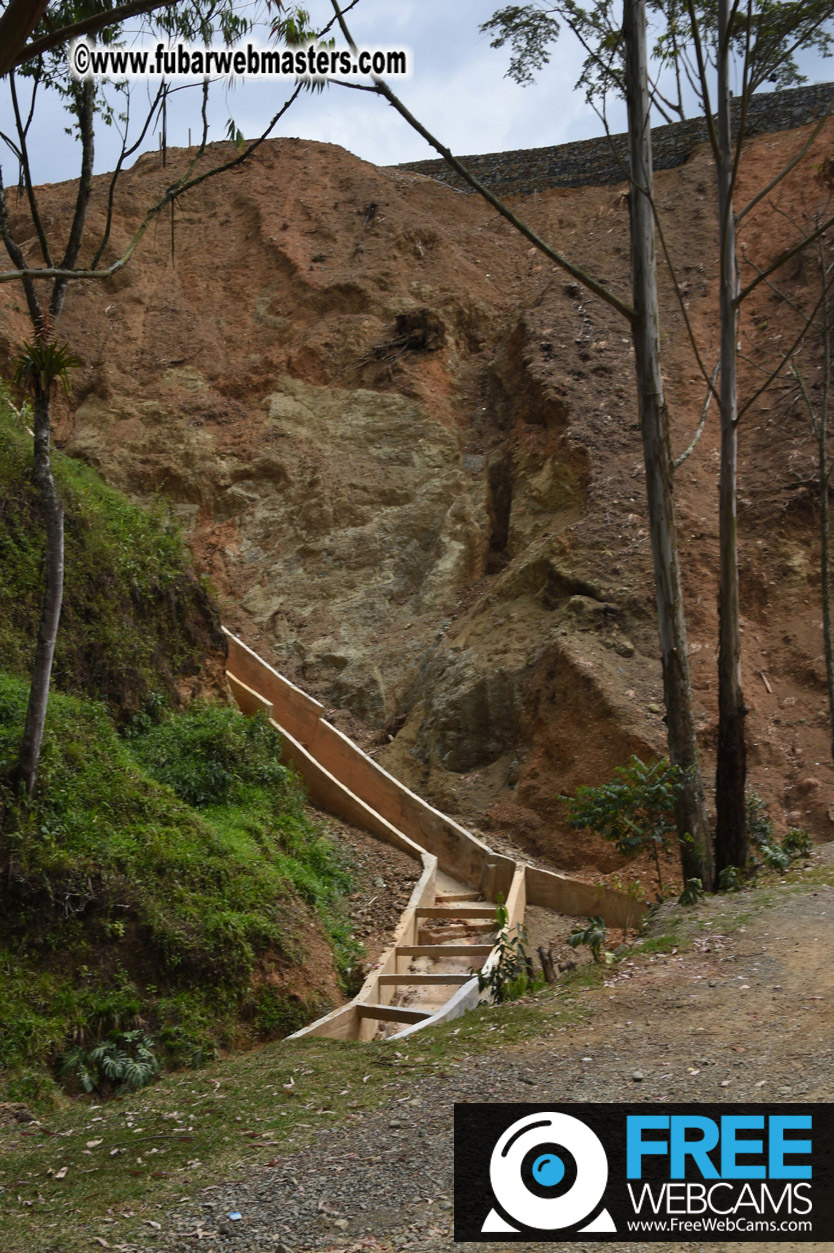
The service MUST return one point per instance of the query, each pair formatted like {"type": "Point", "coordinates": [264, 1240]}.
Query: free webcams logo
{"type": "Point", "coordinates": [649, 1173]}
{"type": "Point", "coordinates": [548, 1171]}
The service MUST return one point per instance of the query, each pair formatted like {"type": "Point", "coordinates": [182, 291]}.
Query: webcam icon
{"type": "Point", "coordinates": [548, 1172]}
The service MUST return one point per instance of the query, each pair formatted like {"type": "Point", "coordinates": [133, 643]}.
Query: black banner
{"type": "Point", "coordinates": [644, 1172]}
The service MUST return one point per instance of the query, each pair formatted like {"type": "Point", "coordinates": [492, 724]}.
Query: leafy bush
{"type": "Point", "coordinates": [124, 1063]}
{"type": "Point", "coordinates": [593, 934]}
{"type": "Point", "coordinates": [635, 811]}
{"type": "Point", "coordinates": [760, 829]}
{"type": "Point", "coordinates": [759, 823]}
{"type": "Point", "coordinates": [729, 879]}
{"type": "Point", "coordinates": [208, 753]}
{"type": "Point", "coordinates": [693, 890]}
{"type": "Point", "coordinates": [797, 843]}
{"type": "Point", "coordinates": [511, 975]}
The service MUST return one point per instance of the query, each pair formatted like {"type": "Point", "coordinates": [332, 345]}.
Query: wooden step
{"type": "Point", "coordinates": [414, 978]}
{"type": "Point", "coordinates": [449, 898]}
{"type": "Point", "coordinates": [391, 1013]}
{"type": "Point", "coordinates": [444, 950]}
{"type": "Point", "coordinates": [456, 911]}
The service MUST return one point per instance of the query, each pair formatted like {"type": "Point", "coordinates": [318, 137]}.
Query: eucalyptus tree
{"type": "Point", "coordinates": [641, 315]}
{"type": "Point", "coordinates": [700, 49]}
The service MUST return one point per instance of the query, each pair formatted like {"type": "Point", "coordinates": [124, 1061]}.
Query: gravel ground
{"type": "Point", "coordinates": [743, 1013]}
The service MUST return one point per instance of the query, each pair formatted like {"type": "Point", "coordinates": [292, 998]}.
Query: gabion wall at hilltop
{"type": "Point", "coordinates": [591, 162]}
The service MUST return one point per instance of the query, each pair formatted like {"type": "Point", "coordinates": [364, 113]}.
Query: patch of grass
{"type": "Point", "coordinates": [659, 943]}
{"type": "Point", "coordinates": [134, 617]}
{"type": "Point", "coordinates": [127, 907]}
{"type": "Point", "coordinates": [190, 1129]}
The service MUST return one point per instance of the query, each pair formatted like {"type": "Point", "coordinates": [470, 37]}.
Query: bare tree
{"type": "Point", "coordinates": [811, 383]}
{"type": "Point", "coordinates": [45, 360]}
{"type": "Point", "coordinates": [693, 831]}
{"type": "Point", "coordinates": [758, 42]}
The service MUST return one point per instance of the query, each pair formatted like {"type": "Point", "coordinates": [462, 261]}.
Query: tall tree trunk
{"type": "Point", "coordinates": [693, 828]}
{"type": "Point", "coordinates": [825, 563]}
{"type": "Point", "coordinates": [825, 473]}
{"type": "Point", "coordinates": [731, 768]}
{"type": "Point", "coordinates": [53, 516]}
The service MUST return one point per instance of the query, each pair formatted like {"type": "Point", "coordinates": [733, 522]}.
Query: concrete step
{"type": "Point", "coordinates": [415, 979]}
{"type": "Point", "coordinates": [444, 950]}
{"type": "Point", "coordinates": [456, 911]}
{"type": "Point", "coordinates": [391, 1013]}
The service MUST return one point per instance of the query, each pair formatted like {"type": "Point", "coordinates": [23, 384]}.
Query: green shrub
{"type": "Point", "coordinates": [511, 974]}
{"type": "Point", "coordinates": [693, 891]}
{"type": "Point", "coordinates": [593, 934]}
{"type": "Point", "coordinates": [635, 811]}
{"type": "Point", "coordinates": [207, 754]}
{"type": "Point", "coordinates": [124, 1063]}
{"type": "Point", "coordinates": [729, 879]}
{"type": "Point", "coordinates": [797, 843]}
{"type": "Point", "coordinates": [759, 823]}
{"type": "Point", "coordinates": [760, 829]}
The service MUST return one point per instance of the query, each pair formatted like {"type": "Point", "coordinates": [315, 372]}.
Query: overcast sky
{"type": "Point", "coordinates": [459, 89]}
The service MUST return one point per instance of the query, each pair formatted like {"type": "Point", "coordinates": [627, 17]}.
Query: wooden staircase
{"type": "Point", "coordinates": [448, 931]}
{"type": "Point", "coordinates": [426, 973]}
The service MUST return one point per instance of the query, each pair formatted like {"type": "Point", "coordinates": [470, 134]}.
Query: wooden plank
{"type": "Point", "coordinates": [444, 950]}
{"type": "Point", "coordinates": [448, 898]}
{"type": "Point", "coordinates": [391, 1013]}
{"type": "Point", "coordinates": [456, 911]}
{"type": "Point", "coordinates": [417, 978]}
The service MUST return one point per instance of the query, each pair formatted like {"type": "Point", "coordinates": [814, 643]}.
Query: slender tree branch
{"type": "Point", "coordinates": [782, 259]}
{"type": "Point", "coordinates": [186, 183]}
{"type": "Point", "coordinates": [774, 182]}
{"type": "Point", "coordinates": [680, 298]}
{"type": "Point", "coordinates": [581, 276]}
{"type": "Point", "coordinates": [703, 85]}
{"type": "Point", "coordinates": [678, 461]}
{"type": "Point", "coordinates": [123, 156]}
{"type": "Point", "coordinates": [751, 400]}
{"type": "Point", "coordinates": [18, 259]}
{"type": "Point", "coordinates": [88, 26]}
{"type": "Point", "coordinates": [86, 118]}
{"type": "Point", "coordinates": [27, 171]}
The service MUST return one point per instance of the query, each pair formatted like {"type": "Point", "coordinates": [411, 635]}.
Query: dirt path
{"type": "Point", "coordinates": [738, 1007]}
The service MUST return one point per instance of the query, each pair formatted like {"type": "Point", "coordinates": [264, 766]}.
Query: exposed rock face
{"type": "Point", "coordinates": [406, 453]}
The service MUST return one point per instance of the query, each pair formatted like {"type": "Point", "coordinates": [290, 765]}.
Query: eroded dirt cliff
{"type": "Point", "coordinates": [405, 449]}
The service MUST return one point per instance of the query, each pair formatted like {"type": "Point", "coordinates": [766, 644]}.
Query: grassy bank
{"type": "Point", "coordinates": [136, 623]}
{"type": "Point", "coordinates": [165, 895]}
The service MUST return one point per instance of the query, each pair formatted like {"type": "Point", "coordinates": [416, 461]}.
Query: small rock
{"type": "Point", "coordinates": [654, 709]}
{"type": "Point", "coordinates": [638, 1076]}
